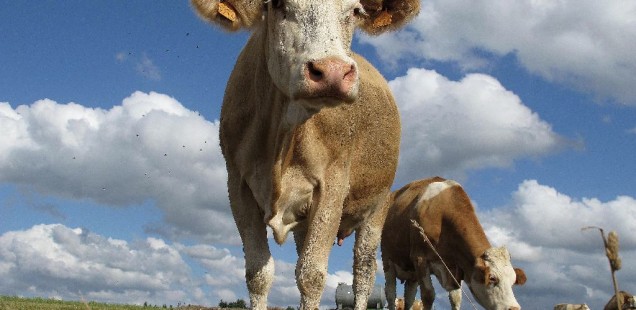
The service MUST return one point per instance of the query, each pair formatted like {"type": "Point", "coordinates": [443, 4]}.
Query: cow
{"type": "Point", "coordinates": [399, 304]}
{"type": "Point", "coordinates": [627, 302]}
{"type": "Point", "coordinates": [310, 134]}
{"type": "Point", "coordinates": [440, 210]}
{"type": "Point", "coordinates": [571, 307]}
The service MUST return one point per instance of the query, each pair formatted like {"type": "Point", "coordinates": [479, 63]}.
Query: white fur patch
{"type": "Point", "coordinates": [435, 188]}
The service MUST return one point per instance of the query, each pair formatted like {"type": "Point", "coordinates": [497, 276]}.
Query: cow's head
{"type": "Point", "coordinates": [308, 42]}
{"type": "Point", "coordinates": [493, 278]}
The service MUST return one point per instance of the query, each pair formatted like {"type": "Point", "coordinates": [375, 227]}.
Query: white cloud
{"type": "Point", "coordinates": [542, 229]}
{"type": "Point", "coordinates": [148, 148]}
{"type": "Point", "coordinates": [57, 261]}
{"type": "Point", "coordinates": [147, 68]}
{"type": "Point", "coordinates": [586, 44]}
{"type": "Point", "coordinates": [451, 127]}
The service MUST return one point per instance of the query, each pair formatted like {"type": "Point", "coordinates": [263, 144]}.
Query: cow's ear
{"type": "Point", "coordinates": [520, 276]}
{"type": "Point", "coordinates": [232, 15]}
{"type": "Point", "coordinates": [387, 15]}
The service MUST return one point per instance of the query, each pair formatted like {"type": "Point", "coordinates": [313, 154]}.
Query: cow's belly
{"type": "Point", "coordinates": [404, 274]}
{"type": "Point", "coordinates": [443, 276]}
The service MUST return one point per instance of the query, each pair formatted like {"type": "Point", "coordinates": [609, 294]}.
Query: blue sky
{"type": "Point", "coordinates": [112, 185]}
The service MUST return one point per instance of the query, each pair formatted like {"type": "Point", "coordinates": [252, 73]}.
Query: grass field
{"type": "Point", "coordinates": [18, 303]}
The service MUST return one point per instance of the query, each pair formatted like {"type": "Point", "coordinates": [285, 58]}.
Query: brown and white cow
{"type": "Point", "coordinates": [310, 134]}
{"type": "Point", "coordinates": [628, 301]}
{"type": "Point", "coordinates": [571, 307]}
{"type": "Point", "coordinates": [444, 211]}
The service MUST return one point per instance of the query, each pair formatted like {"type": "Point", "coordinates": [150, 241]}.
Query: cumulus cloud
{"type": "Point", "coordinates": [56, 261]}
{"type": "Point", "coordinates": [450, 127]}
{"type": "Point", "coordinates": [584, 44]}
{"type": "Point", "coordinates": [542, 229]}
{"type": "Point", "coordinates": [60, 262]}
{"type": "Point", "coordinates": [149, 148]}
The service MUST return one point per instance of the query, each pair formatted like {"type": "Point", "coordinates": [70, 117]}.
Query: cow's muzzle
{"type": "Point", "coordinates": [330, 77]}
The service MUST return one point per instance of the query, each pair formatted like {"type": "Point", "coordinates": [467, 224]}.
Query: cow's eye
{"type": "Point", "coordinates": [493, 280]}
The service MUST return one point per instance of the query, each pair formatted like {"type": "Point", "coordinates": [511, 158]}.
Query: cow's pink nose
{"type": "Point", "coordinates": [330, 77]}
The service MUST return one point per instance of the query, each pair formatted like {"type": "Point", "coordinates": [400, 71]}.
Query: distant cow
{"type": "Point", "coordinates": [444, 211]}
{"type": "Point", "coordinates": [571, 307]}
{"type": "Point", "coordinates": [399, 304]}
{"type": "Point", "coordinates": [628, 302]}
{"type": "Point", "coordinates": [310, 134]}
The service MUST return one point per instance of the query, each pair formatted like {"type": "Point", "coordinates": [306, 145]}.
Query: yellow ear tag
{"type": "Point", "coordinates": [227, 11]}
{"type": "Point", "coordinates": [383, 19]}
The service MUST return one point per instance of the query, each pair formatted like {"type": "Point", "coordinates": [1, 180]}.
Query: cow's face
{"type": "Point", "coordinates": [309, 49]}
{"type": "Point", "coordinates": [493, 278]}
{"type": "Point", "coordinates": [308, 42]}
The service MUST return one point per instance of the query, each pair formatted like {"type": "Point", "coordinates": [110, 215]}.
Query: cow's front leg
{"type": "Point", "coordinates": [368, 237]}
{"type": "Point", "coordinates": [259, 264]}
{"type": "Point", "coordinates": [311, 269]}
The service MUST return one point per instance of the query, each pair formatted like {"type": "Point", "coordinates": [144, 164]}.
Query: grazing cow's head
{"type": "Point", "coordinates": [493, 278]}
{"type": "Point", "coordinates": [308, 42]}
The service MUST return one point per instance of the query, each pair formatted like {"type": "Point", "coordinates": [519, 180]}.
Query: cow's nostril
{"type": "Point", "coordinates": [315, 74]}
{"type": "Point", "coordinates": [351, 73]}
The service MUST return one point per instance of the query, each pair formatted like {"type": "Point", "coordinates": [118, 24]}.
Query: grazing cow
{"type": "Point", "coordinates": [399, 304]}
{"type": "Point", "coordinates": [310, 134]}
{"type": "Point", "coordinates": [628, 301]}
{"type": "Point", "coordinates": [571, 307]}
{"type": "Point", "coordinates": [443, 210]}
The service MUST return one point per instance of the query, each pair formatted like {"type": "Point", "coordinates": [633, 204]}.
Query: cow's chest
{"type": "Point", "coordinates": [307, 159]}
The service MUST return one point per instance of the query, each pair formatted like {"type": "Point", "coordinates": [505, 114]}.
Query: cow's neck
{"type": "Point", "coordinates": [467, 247]}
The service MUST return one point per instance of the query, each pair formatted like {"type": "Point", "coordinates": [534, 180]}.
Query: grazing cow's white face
{"type": "Point", "coordinates": [493, 278]}
{"type": "Point", "coordinates": [309, 48]}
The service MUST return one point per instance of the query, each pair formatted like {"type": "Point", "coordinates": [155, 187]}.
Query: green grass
{"type": "Point", "coordinates": [18, 303]}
